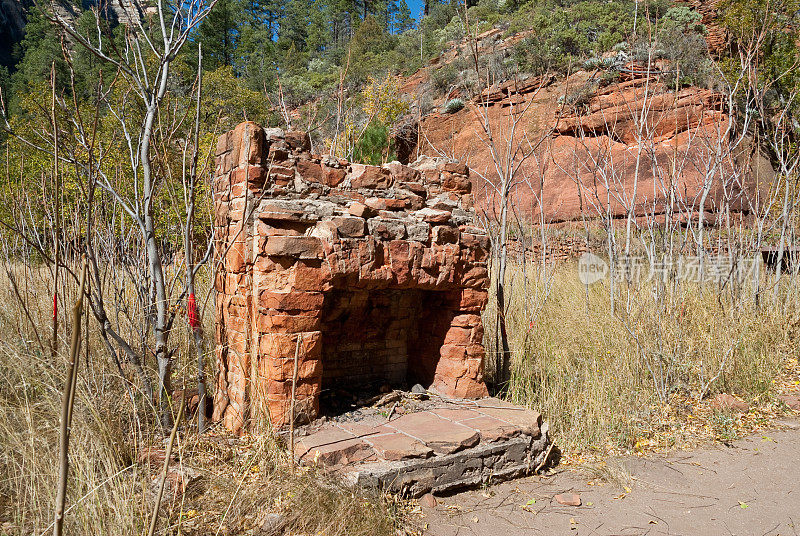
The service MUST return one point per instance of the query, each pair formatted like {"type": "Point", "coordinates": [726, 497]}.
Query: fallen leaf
{"type": "Point", "coordinates": [743, 505]}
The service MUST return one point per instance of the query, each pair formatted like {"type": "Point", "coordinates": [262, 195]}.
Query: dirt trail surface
{"type": "Point", "coordinates": [750, 487]}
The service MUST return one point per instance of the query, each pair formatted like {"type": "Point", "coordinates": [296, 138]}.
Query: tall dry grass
{"type": "Point", "coordinates": [603, 380]}
{"type": "Point", "coordinates": [231, 484]}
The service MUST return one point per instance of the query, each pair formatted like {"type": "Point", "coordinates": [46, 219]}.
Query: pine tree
{"type": "Point", "coordinates": [39, 48]}
{"type": "Point", "coordinates": [319, 37]}
{"type": "Point", "coordinates": [400, 16]}
{"type": "Point", "coordinates": [218, 33]}
{"type": "Point", "coordinates": [294, 27]}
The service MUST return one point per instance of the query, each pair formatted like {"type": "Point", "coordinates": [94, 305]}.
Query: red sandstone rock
{"type": "Point", "coordinates": [726, 402]}
{"type": "Point", "coordinates": [332, 447]}
{"type": "Point", "coordinates": [443, 436]}
{"type": "Point", "coordinates": [445, 235]}
{"type": "Point", "coordinates": [456, 414]}
{"type": "Point", "coordinates": [492, 429]}
{"type": "Point", "coordinates": [360, 210]}
{"type": "Point", "coordinates": [310, 171]}
{"type": "Point", "coordinates": [291, 301]}
{"type": "Point", "coordinates": [568, 499]}
{"type": "Point", "coordinates": [527, 420]}
{"type": "Point", "coordinates": [432, 215]}
{"type": "Point", "coordinates": [602, 136]}
{"type": "Point", "coordinates": [404, 174]}
{"type": "Point", "coordinates": [294, 246]}
{"type": "Point", "coordinates": [333, 177]}
{"type": "Point", "coordinates": [350, 227]}
{"type": "Point", "coordinates": [392, 447]}
{"type": "Point", "coordinates": [299, 141]}
{"type": "Point", "coordinates": [364, 176]}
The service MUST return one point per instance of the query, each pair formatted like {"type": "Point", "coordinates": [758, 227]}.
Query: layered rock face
{"type": "Point", "coordinates": [589, 150]}
{"type": "Point", "coordinates": [357, 273]}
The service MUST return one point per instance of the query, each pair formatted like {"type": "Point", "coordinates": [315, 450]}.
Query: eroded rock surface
{"type": "Point", "coordinates": [590, 144]}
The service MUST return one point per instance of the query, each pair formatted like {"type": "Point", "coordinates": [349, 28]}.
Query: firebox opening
{"type": "Point", "coordinates": [374, 339]}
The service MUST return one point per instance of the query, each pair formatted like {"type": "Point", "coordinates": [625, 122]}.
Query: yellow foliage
{"type": "Point", "coordinates": [382, 100]}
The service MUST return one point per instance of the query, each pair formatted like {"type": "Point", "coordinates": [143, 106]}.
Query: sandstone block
{"type": "Point", "coordinates": [403, 173]}
{"type": "Point", "coordinates": [333, 177]}
{"type": "Point", "coordinates": [456, 183]}
{"type": "Point", "coordinates": [432, 215]}
{"type": "Point", "coordinates": [365, 176]}
{"type": "Point", "coordinates": [441, 435]}
{"type": "Point", "coordinates": [301, 247]}
{"type": "Point", "coordinates": [332, 447]}
{"type": "Point", "coordinates": [444, 234]}
{"type": "Point", "coordinates": [386, 229]}
{"type": "Point", "coordinates": [421, 232]}
{"type": "Point", "coordinates": [291, 301]}
{"type": "Point", "coordinates": [298, 141]}
{"type": "Point", "coordinates": [248, 144]}
{"type": "Point", "coordinates": [351, 227]}
{"type": "Point", "coordinates": [288, 323]}
{"type": "Point", "coordinates": [397, 446]}
{"type": "Point", "coordinates": [360, 210]}
{"type": "Point", "coordinates": [311, 171]}
{"type": "Point", "coordinates": [527, 420]}
{"type": "Point", "coordinates": [456, 167]}
{"type": "Point", "coordinates": [491, 429]}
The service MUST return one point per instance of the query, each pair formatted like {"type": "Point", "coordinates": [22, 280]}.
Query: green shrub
{"type": "Point", "coordinates": [567, 36]}
{"type": "Point", "coordinates": [373, 146]}
{"type": "Point", "coordinates": [443, 78]}
{"type": "Point", "coordinates": [453, 105]}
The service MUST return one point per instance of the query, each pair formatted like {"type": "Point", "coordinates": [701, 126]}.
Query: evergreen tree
{"type": "Point", "coordinates": [400, 17]}
{"type": "Point", "coordinates": [218, 33]}
{"type": "Point", "coordinates": [40, 48]}
{"type": "Point", "coordinates": [294, 28]}
{"type": "Point", "coordinates": [319, 37]}
{"type": "Point", "coordinates": [257, 57]}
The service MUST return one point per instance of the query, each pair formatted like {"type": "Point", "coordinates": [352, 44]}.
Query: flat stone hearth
{"type": "Point", "coordinates": [433, 445]}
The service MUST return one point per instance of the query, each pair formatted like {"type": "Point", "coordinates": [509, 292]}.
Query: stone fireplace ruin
{"type": "Point", "coordinates": [363, 274]}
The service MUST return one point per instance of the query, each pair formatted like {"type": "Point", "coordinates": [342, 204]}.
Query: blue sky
{"type": "Point", "coordinates": [416, 8]}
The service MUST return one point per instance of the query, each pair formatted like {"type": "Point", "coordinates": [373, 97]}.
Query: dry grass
{"type": "Point", "coordinates": [573, 361]}
{"type": "Point", "coordinates": [591, 373]}
{"type": "Point", "coordinates": [217, 485]}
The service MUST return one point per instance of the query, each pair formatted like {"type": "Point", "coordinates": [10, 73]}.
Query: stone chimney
{"type": "Point", "coordinates": [366, 274]}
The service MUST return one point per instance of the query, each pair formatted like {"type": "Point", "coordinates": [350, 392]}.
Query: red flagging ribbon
{"type": "Point", "coordinates": [55, 306]}
{"type": "Point", "coordinates": [191, 312]}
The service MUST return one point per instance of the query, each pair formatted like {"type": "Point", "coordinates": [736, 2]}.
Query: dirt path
{"type": "Point", "coordinates": [751, 487]}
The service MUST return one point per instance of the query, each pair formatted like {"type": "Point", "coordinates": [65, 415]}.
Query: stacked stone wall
{"type": "Point", "coordinates": [311, 247]}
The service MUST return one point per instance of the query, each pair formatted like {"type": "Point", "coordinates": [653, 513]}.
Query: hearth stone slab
{"type": "Point", "coordinates": [333, 446]}
{"type": "Point", "coordinates": [398, 446]}
{"type": "Point", "coordinates": [435, 447]}
{"type": "Point", "coordinates": [486, 463]}
{"type": "Point", "coordinates": [443, 436]}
